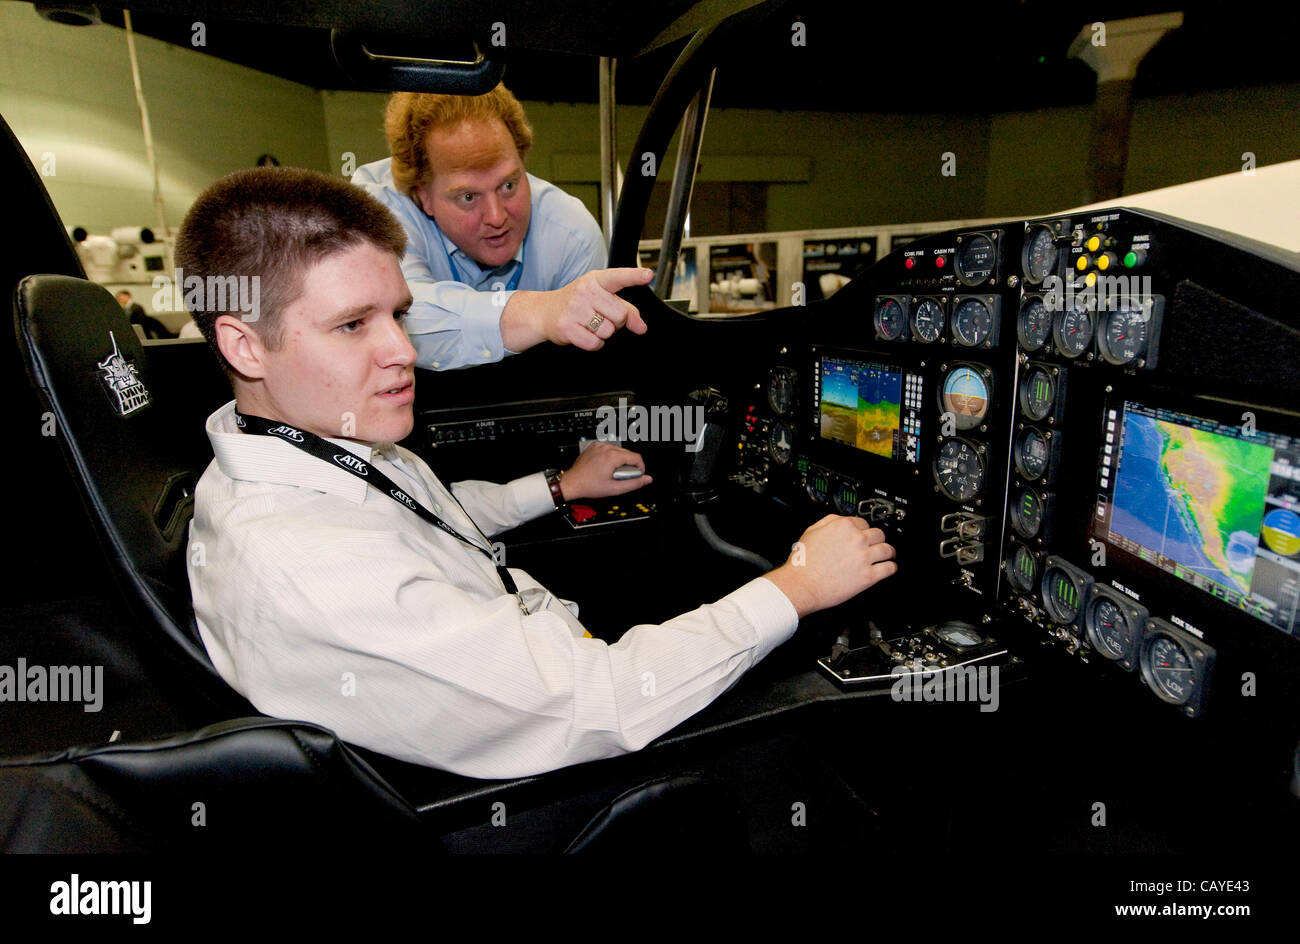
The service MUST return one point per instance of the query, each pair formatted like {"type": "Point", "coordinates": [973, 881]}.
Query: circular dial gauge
{"type": "Point", "coordinates": [960, 635]}
{"type": "Point", "coordinates": [975, 260]}
{"type": "Point", "coordinates": [818, 486]}
{"type": "Point", "coordinates": [1037, 394]}
{"type": "Point", "coordinates": [845, 498]}
{"type": "Point", "coordinates": [928, 320]}
{"type": "Point", "coordinates": [1034, 324]}
{"type": "Point", "coordinates": [1022, 569]}
{"type": "Point", "coordinates": [1123, 337]}
{"type": "Point", "coordinates": [890, 320]}
{"type": "Point", "coordinates": [1027, 514]}
{"type": "Point", "coordinates": [1109, 629]}
{"type": "Point", "coordinates": [1170, 670]}
{"type": "Point", "coordinates": [780, 389]}
{"type": "Point", "coordinates": [972, 323]}
{"type": "Point", "coordinates": [780, 443]}
{"type": "Point", "coordinates": [959, 469]}
{"type": "Point", "coordinates": [1061, 594]}
{"type": "Point", "coordinates": [1040, 254]}
{"type": "Point", "coordinates": [1031, 453]}
{"type": "Point", "coordinates": [966, 396]}
{"type": "Point", "coordinates": [1073, 330]}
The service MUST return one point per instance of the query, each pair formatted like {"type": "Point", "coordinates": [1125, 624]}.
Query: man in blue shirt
{"type": "Point", "coordinates": [497, 260]}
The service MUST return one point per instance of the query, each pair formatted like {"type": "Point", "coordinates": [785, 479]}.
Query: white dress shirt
{"type": "Point", "coordinates": [319, 598]}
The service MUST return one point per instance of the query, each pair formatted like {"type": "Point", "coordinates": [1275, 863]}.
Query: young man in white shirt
{"type": "Point", "coordinates": [381, 612]}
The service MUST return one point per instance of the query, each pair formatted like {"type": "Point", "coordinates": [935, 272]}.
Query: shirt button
{"type": "Point", "coordinates": [434, 365]}
{"type": "Point", "coordinates": [486, 352]}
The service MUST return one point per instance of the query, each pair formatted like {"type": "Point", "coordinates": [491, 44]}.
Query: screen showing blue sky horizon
{"type": "Point", "coordinates": [861, 404]}
{"type": "Point", "coordinates": [1214, 505]}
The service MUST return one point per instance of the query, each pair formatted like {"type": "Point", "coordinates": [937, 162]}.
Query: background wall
{"type": "Point", "coordinates": [67, 94]}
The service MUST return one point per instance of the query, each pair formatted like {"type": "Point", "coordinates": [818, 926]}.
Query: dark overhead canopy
{"type": "Point", "coordinates": [938, 57]}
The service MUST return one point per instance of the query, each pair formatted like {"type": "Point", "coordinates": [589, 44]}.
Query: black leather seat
{"type": "Point", "coordinates": [238, 786]}
{"type": "Point", "coordinates": [127, 454]}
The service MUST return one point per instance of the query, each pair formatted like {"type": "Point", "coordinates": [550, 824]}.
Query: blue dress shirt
{"type": "Point", "coordinates": [455, 318]}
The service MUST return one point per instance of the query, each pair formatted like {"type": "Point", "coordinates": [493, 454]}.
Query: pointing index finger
{"type": "Point", "coordinates": [612, 280]}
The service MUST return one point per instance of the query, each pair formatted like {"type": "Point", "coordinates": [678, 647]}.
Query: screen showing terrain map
{"type": "Point", "coordinates": [861, 404]}
{"type": "Point", "coordinates": [1217, 506]}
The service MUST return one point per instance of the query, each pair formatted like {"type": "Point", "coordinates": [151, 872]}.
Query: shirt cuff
{"type": "Point", "coordinates": [533, 496]}
{"type": "Point", "coordinates": [481, 327]}
{"type": "Point", "coordinates": [768, 610]}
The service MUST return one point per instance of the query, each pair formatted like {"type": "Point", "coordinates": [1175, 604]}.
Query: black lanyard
{"type": "Point", "coordinates": [354, 464]}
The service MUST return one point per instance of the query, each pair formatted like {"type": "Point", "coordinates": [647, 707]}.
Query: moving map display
{"type": "Point", "coordinates": [1213, 505]}
{"type": "Point", "coordinates": [861, 404]}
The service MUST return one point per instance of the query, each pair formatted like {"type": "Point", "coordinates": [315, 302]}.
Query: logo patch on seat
{"type": "Point", "coordinates": [123, 381]}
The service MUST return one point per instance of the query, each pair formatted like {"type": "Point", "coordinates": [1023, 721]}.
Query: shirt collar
{"type": "Point", "coordinates": [461, 257]}
{"type": "Point", "coordinates": [268, 459]}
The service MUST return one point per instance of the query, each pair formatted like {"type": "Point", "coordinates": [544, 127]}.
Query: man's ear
{"type": "Point", "coordinates": [423, 196]}
{"type": "Point", "coordinates": [241, 346]}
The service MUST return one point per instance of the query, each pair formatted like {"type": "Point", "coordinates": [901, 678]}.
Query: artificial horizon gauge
{"type": "Point", "coordinates": [965, 395]}
{"type": "Point", "coordinates": [1073, 329]}
{"type": "Point", "coordinates": [959, 469]}
{"type": "Point", "coordinates": [1122, 334]}
{"type": "Point", "coordinates": [972, 323]}
{"type": "Point", "coordinates": [928, 320]}
{"type": "Point", "coordinates": [1034, 323]}
{"type": "Point", "coordinates": [780, 443]}
{"type": "Point", "coordinates": [976, 259]}
{"type": "Point", "coordinates": [890, 319]}
{"type": "Point", "coordinates": [1031, 453]}
{"type": "Point", "coordinates": [1037, 394]}
{"type": "Point", "coordinates": [780, 389]}
{"type": "Point", "coordinates": [1040, 254]}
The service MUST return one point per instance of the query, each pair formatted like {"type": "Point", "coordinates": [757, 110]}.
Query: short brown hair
{"type": "Point", "coordinates": [410, 117]}
{"type": "Point", "coordinates": [273, 223]}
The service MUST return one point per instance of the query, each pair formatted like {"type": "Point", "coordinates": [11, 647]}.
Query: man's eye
{"type": "Point", "coordinates": [509, 186]}
{"type": "Point", "coordinates": [466, 198]}
{"type": "Point", "coordinates": [352, 327]}
{"type": "Point", "coordinates": [401, 314]}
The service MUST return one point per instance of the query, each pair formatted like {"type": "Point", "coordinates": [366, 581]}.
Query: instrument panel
{"type": "Point", "coordinates": [1074, 428]}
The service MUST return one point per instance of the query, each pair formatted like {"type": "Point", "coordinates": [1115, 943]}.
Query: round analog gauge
{"type": "Point", "coordinates": [959, 635]}
{"type": "Point", "coordinates": [1109, 629]}
{"type": "Point", "coordinates": [780, 389]}
{"type": "Point", "coordinates": [890, 320]}
{"type": "Point", "coordinates": [818, 486]}
{"type": "Point", "coordinates": [966, 396]}
{"type": "Point", "coordinates": [1034, 324]}
{"type": "Point", "coordinates": [1170, 670]}
{"type": "Point", "coordinates": [959, 469]}
{"type": "Point", "coordinates": [975, 259]}
{"type": "Point", "coordinates": [972, 323]}
{"type": "Point", "coordinates": [1073, 330]}
{"type": "Point", "coordinates": [1031, 453]}
{"type": "Point", "coordinates": [1123, 336]}
{"type": "Point", "coordinates": [1040, 254]}
{"type": "Point", "coordinates": [1037, 394]}
{"type": "Point", "coordinates": [780, 443]}
{"type": "Point", "coordinates": [845, 498]}
{"type": "Point", "coordinates": [1022, 569]}
{"type": "Point", "coordinates": [1027, 514]}
{"type": "Point", "coordinates": [1062, 594]}
{"type": "Point", "coordinates": [928, 320]}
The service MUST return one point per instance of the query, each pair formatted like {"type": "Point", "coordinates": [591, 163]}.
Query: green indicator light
{"type": "Point", "coordinates": [1130, 259]}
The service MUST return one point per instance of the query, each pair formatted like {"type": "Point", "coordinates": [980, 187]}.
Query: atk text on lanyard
{"type": "Point", "coordinates": [355, 465]}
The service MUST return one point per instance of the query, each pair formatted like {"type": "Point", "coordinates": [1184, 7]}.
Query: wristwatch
{"type": "Point", "coordinates": [553, 477]}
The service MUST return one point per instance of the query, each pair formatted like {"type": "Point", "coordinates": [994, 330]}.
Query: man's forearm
{"type": "Point", "coordinates": [522, 320]}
